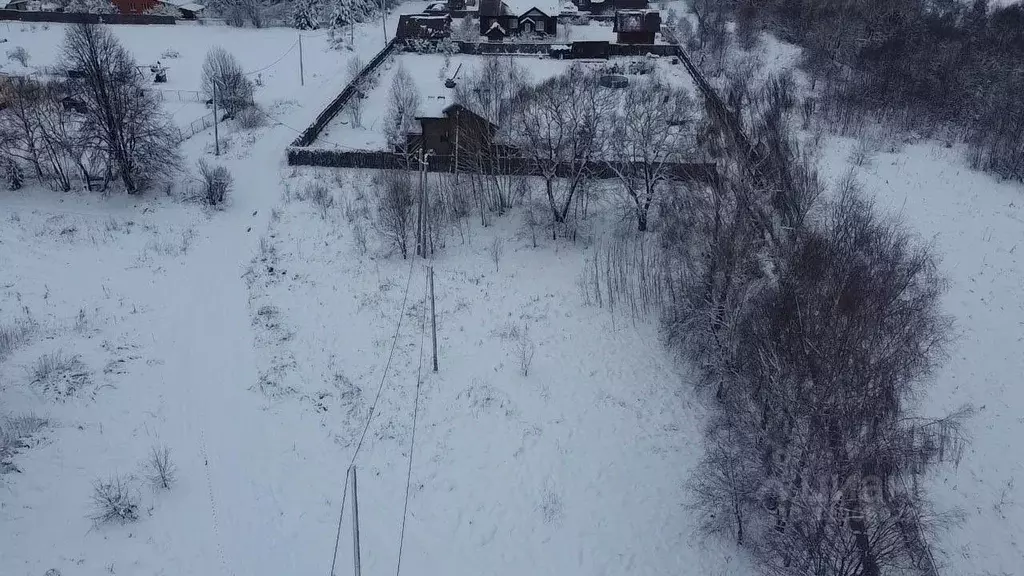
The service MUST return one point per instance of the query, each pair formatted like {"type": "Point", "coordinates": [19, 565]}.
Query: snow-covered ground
{"type": "Point", "coordinates": [251, 340]}
{"type": "Point", "coordinates": [428, 71]}
{"type": "Point", "coordinates": [975, 222]}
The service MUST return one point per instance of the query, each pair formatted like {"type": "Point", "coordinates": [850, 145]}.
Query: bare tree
{"type": "Point", "coordinates": [19, 55]}
{"type": "Point", "coordinates": [224, 77]}
{"type": "Point", "coordinates": [493, 92]}
{"type": "Point", "coordinates": [394, 209]}
{"type": "Point", "coordinates": [122, 117]}
{"type": "Point", "coordinates": [162, 471]}
{"type": "Point", "coordinates": [19, 126]}
{"type": "Point", "coordinates": [496, 250]}
{"type": "Point", "coordinates": [651, 134]}
{"type": "Point", "coordinates": [354, 107]}
{"type": "Point", "coordinates": [403, 103]}
{"type": "Point", "coordinates": [562, 130]}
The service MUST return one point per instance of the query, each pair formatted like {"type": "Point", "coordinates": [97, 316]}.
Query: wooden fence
{"type": "Point", "coordinates": [382, 160]}
{"type": "Point", "coordinates": [80, 18]}
{"type": "Point", "coordinates": [334, 108]}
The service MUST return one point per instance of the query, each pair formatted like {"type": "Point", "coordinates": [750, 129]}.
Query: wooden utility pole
{"type": "Point", "coordinates": [216, 137]}
{"type": "Point", "coordinates": [433, 317]}
{"type": "Point", "coordinates": [419, 210]}
{"type": "Point", "coordinates": [355, 524]}
{"type": "Point", "coordinates": [302, 71]}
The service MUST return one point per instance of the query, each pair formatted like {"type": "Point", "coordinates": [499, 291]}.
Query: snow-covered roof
{"type": "Point", "coordinates": [496, 26]}
{"type": "Point", "coordinates": [520, 7]}
{"type": "Point", "coordinates": [189, 5]}
{"type": "Point", "coordinates": [433, 107]}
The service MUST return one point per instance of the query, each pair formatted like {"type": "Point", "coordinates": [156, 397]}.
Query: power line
{"type": "Point", "coordinates": [373, 406]}
{"type": "Point", "coordinates": [274, 63]}
{"type": "Point", "coordinates": [412, 441]}
{"type": "Point", "coordinates": [337, 537]}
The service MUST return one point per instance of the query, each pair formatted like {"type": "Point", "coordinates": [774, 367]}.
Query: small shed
{"type": "Point", "coordinates": [424, 26]}
{"type": "Point", "coordinates": [637, 26]}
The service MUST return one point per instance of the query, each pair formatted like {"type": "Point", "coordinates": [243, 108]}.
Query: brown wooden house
{"type": "Point", "coordinates": [445, 128]}
{"type": "Point", "coordinates": [637, 26]}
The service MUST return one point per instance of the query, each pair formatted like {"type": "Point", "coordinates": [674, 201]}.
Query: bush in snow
{"type": "Point", "coordinates": [114, 500]}
{"type": "Point", "coordinates": [15, 179]}
{"type": "Point", "coordinates": [14, 431]}
{"type": "Point", "coordinates": [13, 335]}
{"type": "Point", "coordinates": [59, 375]}
{"type": "Point", "coordinates": [162, 472]}
{"type": "Point", "coordinates": [394, 209]}
{"type": "Point", "coordinates": [224, 76]}
{"type": "Point", "coordinates": [19, 55]}
{"type": "Point", "coordinates": [216, 181]}
{"type": "Point", "coordinates": [524, 350]}
{"type": "Point", "coordinates": [496, 250]}
{"type": "Point", "coordinates": [321, 197]}
{"type": "Point", "coordinates": [250, 118]}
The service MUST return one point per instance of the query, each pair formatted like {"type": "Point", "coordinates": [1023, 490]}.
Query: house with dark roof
{"type": "Point", "coordinates": [424, 26]}
{"type": "Point", "coordinates": [502, 18]}
{"type": "Point", "coordinates": [636, 26]}
{"type": "Point", "coordinates": [445, 127]}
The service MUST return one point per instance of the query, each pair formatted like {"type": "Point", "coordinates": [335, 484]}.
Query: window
{"type": "Point", "coordinates": [539, 25]}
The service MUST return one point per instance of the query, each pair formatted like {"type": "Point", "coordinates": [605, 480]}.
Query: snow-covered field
{"type": "Point", "coordinates": [251, 340]}
{"type": "Point", "coordinates": [975, 222]}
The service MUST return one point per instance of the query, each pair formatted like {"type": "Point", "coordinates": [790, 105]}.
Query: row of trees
{"type": "Point", "coordinates": [98, 121]}
{"type": "Point", "coordinates": [925, 65]}
{"type": "Point", "coordinates": [812, 326]}
{"type": "Point", "coordinates": [558, 129]}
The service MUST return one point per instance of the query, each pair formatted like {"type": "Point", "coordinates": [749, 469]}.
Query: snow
{"type": "Point", "coordinates": [194, 342]}
{"type": "Point", "coordinates": [251, 341]}
{"type": "Point", "coordinates": [434, 96]}
{"type": "Point", "coordinates": [976, 223]}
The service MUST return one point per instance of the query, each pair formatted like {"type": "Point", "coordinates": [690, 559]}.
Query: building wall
{"type": "Point", "coordinates": [636, 37]}
{"type": "Point", "coordinates": [134, 6]}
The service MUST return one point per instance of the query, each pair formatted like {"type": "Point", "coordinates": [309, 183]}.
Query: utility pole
{"type": "Point", "coordinates": [419, 210]}
{"type": "Point", "coordinates": [302, 72]}
{"type": "Point", "coordinates": [216, 137]}
{"type": "Point", "coordinates": [433, 317]}
{"type": "Point", "coordinates": [355, 524]}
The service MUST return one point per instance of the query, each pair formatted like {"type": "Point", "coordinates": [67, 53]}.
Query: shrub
{"type": "Point", "coordinates": [216, 181]}
{"type": "Point", "coordinates": [13, 335]}
{"type": "Point", "coordinates": [59, 375]}
{"type": "Point", "coordinates": [162, 472]}
{"type": "Point", "coordinates": [250, 118]}
{"type": "Point", "coordinates": [496, 250]}
{"type": "Point", "coordinates": [317, 192]}
{"type": "Point", "coordinates": [19, 55]}
{"type": "Point", "coordinates": [13, 432]}
{"type": "Point", "coordinates": [524, 350]}
{"type": "Point", "coordinates": [15, 178]}
{"type": "Point", "coordinates": [114, 500]}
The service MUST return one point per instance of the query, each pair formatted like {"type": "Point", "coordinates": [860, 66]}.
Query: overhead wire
{"type": "Point", "coordinates": [376, 399]}
{"type": "Point", "coordinates": [412, 440]}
